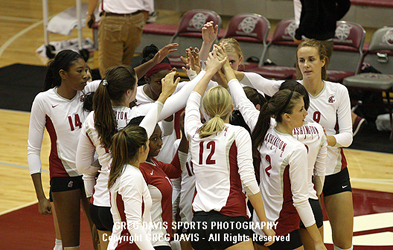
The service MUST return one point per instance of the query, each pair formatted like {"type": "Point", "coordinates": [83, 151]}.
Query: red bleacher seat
{"type": "Point", "coordinates": [160, 29]}
{"type": "Point", "coordinates": [374, 3]}
{"type": "Point", "coordinates": [281, 50]}
{"type": "Point", "coordinates": [347, 51]}
{"type": "Point", "coordinates": [251, 31]}
{"type": "Point", "coordinates": [189, 32]}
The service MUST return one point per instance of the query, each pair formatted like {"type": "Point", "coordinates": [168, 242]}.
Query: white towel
{"type": "Point", "coordinates": [67, 20]}
{"type": "Point", "coordinates": [71, 44]}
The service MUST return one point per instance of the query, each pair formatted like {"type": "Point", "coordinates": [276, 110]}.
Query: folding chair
{"type": "Point", "coordinates": [380, 56]}
{"type": "Point", "coordinates": [189, 32]}
{"type": "Point", "coordinates": [281, 50]}
{"type": "Point", "coordinates": [251, 31]}
{"type": "Point", "coordinates": [347, 52]}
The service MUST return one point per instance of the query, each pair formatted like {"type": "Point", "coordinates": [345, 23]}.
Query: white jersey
{"type": "Point", "coordinates": [187, 188]}
{"type": "Point", "coordinates": [283, 168]}
{"type": "Point", "coordinates": [284, 191]}
{"type": "Point", "coordinates": [126, 7]}
{"type": "Point", "coordinates": [63, 119]}
{"type": "Point", "coordinates": [314, 138]}
{"type": "Point", "coordinates": [310, 134]}
{"type": "Point", "coordinates": [131, 203]}
{"type": "Point", "coordinates": [89, 142]}
{"type": "Point", "coordinates": [332, 109]}
{"type": "Point", "coordinates": [222, 165]}
{"type": "Point", "coordinates": [258, 82]}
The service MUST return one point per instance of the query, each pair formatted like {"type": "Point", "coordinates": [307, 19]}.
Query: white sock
{"type": "Point", "coordinates": [338, 248]}
{"type": "Point", "coordinates": [58, 245]}
{"type": "Point", "coordinates": [175, 245]}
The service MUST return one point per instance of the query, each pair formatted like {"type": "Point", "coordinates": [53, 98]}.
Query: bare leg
{"type": "Point", "coordinates": [242, 245]}
{"type": "Point", "coordinates": [260, 247]}
{"type": "Point", "coordinates": [339, 208]}
{"type": "Point", "coordinates": [56, 224]}
{"type": "Point", "coordinates": [67, 205]}
{"type": "Point", "coordinates": [308, 242]}
{"type": "Point", "coordinates": [185, 245]}
{"type": "Point", "coordinates": [104, 238]}
{"type": "Point", "coordinates": [93, 230]}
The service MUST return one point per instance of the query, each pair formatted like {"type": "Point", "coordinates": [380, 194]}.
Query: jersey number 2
{"type": "Point", "coordinates": [76, 122]}
{"type": "Point", "coordinates": [210, 145]}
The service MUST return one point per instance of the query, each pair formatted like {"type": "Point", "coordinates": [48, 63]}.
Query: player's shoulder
{"type": "Point", "coordinates": [335, 86]}
{"type": "Point", "coordinates": [238, 131]}
{"type": "Point", "coordinates": [44, 95]}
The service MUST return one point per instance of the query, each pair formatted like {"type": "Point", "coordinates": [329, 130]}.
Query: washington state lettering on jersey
{"type": "Point", "coordinates": [121, 115]}
{"type": "Point", "coordinates": [306, 130]}
{"type": "Point", "coordinates": [275, 141]}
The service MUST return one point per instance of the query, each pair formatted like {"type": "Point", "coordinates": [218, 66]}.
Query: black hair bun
{"type": "Point", "coordinates": [149, 52]}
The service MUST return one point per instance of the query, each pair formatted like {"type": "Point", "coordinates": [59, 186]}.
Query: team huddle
{"type": "Point", "coordinates": [226, 159]}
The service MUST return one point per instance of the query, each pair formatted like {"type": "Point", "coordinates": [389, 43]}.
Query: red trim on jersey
{"type": "Point", "coordinates": [56, 168]}
{"type": "Point", "coordinates": [125, 234]}
{"type": "Point", "coordinates": [90, 139]}
{"type": "Point", "coordinates": [343, 159]}
{"type": "Point", "coordinates": [236, 202]}
{"type": "Point", "coordinates": [156, 175]}
{"type": "Point", "coordinates": [288, 219]}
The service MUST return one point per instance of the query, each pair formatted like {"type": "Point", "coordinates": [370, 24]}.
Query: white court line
{"type": "Point", "coordinates": [19, 166]}
{"type": "Point", "coordinates": [12, 39]}
{"type": "Point", "coordinates": [19, 207]}
{"type": "Point", "coordinates": [373, 181]}
{"type": "Point", "coordinates": [365, 223]}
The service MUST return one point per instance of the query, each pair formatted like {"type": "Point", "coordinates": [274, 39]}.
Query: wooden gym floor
{"type": "Point", "coordinates": [21, 33]}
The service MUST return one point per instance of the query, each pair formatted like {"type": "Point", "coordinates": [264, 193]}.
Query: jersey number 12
{"type": "Point", "coordinates": [211, 145]}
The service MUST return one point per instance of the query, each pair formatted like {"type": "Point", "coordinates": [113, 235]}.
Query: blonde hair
{"type": "Point", "coordinates": [217, 103]}
{"type": "Point", "coordinates": [232, 46]}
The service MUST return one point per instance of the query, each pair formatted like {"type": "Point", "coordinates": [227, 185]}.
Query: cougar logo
{"type": "Point", "coordinates": [331, 99]}
{"type": "Point", "coordinates": [388, 38]}
{"type": "Point", "coordinates": [247, 25]}
{"type": "Point", "coordinates": [343, 31]}
{"type": "Point", "coordinates": [198, 20]}
{"type": "Point", "coordinates": [291, 29]}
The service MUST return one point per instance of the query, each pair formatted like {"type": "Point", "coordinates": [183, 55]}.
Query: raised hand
{"type": "Point", "coordinates": [209, 32]}
{"type": "Point", "coordinates": [164, 52]}
{"type": "Point", "coordinates": [169, 84]}
{"type": "Point", "coordinates": [213, 64]}
{"type": "Point", "coordinates": [192, 60]}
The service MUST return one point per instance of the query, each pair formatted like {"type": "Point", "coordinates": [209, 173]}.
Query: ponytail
{"type": "Point", "coordinates": [125, 146]}
{"type": "Point", "coordinates": [116, 82]}
{"type": "Point", "coordinates": [63, 60]}
{"type": "Point", "coordinates": [281, 102]}
{"type": "Point", "coordinates": [104, 117]}
{"type": "Point", "coordinates": [214, 125]}
{"type": "Point", "coordinates": [217, 103]}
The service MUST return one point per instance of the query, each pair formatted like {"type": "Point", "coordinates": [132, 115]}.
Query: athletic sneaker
{"type": "Point", "coordinates": [359, 123]}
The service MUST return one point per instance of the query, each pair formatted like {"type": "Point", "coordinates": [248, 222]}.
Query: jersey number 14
{"type": "Point", "coordinates": [74, 122]}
